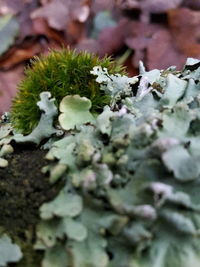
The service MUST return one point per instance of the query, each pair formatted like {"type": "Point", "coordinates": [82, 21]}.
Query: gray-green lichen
{"type": "Point", "coordinates": [45, 128]}
{"type": "Point", "coordinates": [9, 252]}
{"type": "Point", "coordinates": [74, 111]}
{"type": "Point", "coordinates": [136, 172]}
{"type": "Point", "coordinates": [132, 175]}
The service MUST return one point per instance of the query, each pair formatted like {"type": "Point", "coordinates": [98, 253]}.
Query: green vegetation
{"type": "Point", "coordinates": [62, 73]}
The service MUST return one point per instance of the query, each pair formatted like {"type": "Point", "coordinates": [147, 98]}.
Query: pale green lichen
{"type": "Point", "coordinates": [5, 139]}
{"type": "Point", "coordinates": [136, 170]}
{"type": "Point", "coordinates": [131, 176]}
{"type": "Point", "coordinates": [9, 252]}
{"type": "Point", "coordinates": [114, 85]}
{"type": "Point", "coordinates": [45, 127]}
{"type": "Point", "coordinates": [5, 150]}
{"type": "Point", "coordinates": [5, 130]}
{"type": "Point", "coordinates": [3, 163]}
{"type": "Point", "coordinates": [74, 111]}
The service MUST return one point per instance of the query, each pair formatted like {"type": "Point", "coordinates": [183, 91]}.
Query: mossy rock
{"type": "Point", "coordinates": [23, 189]}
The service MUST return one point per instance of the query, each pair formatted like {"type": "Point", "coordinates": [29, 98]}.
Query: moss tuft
{"type": "Point", "coordinates": [62, 73]}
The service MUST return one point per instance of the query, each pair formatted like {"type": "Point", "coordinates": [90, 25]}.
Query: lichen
{"type": "Point", "coordinates": [137, 178]}
{"type": "Point", "coordinates": [45, 128]}
{"type": "Point", "coordinates": [9, 252]}
{"type": "Point", "coordinates": [75, 110]}
{"type": "Point", "coordinates": [130, 192]}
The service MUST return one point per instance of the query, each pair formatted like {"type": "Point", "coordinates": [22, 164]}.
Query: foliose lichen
{"type": "Point", "coordinates": [132, 176]}
{"type": "Point", "coordinates": [137, 179]}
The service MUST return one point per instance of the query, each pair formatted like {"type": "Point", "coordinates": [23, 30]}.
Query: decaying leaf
{"type": "Point", "coordinates": [8, 81]}
{"type": "Point", "coordinates": [9, 29]}
{"type": "Point", "coordinates": [184, 22]}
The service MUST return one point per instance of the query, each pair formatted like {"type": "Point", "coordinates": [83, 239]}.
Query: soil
{"type": "Point", "coordinates": [23, 189]}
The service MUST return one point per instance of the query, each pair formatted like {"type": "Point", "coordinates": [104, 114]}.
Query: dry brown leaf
{"type": "Point", "coordinates": [99, 5]}
{"type": "Point", "coordinates": [59, 13]}
{"type": "Point", "coordinates": [26, 25]}
{"type": "Point", "coordinates": [21, 9]}
{"type": "Point", "coordinates": [18, 55]}
{"type": "Point", "coordinates": [56, 13]}
{"type": "Point", "coordinates": [159, 6]}
{"type": "Point", "coordinates": [8, 82]}
{"type": "Point", "coordinates": [161, 52]}
{"type": "Point", "coordinates": [184, 26]}
{"type": "Point", "coordinates": [44, 2]}
{"type": "Point", "coordinates": [150, 6]}
{"type": "Point", "coordinates": [111, 39]}
{"type": "Point", "coordinates": [11, 6]}
{"type": "Point", "coordinates": [75, 32]}
{"type": "Point", "coordinates": [89, 45]}
{"type": "Point", "coordinates": [131, 70]}
{"type": "Point", "coordinates": [40, 27]}
{"type": "Point", "coordinates": [138, 36]}
{"type": "Point", "coordinates": [195, 4]}
{"type": "Point", "coordinates": [82, 13]}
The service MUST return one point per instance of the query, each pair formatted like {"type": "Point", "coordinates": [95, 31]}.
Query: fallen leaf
{"type": "Point", "coordinates": [82, 13]}
{"type": "Point", "coordinates": [130, 68]}
{"type": "Point", "coordinates": [76, 31]}
{"type": "Point", "coordinates": [26, 25]}
{"type": "Point", "coordinates": [41, 27]}
{"type": "Point", "coordinates": [111, 39]}
{"type": "Point", "coordinates": [9, 28]}
{"type": "Point", "coordinates": [8, 81]}
{"type": "Point", "coordinates": [161, 52]}
{"type": "Point", "coordinates": [138, 36]}
{"type": "Point", "coordinates": [55, 12]}
{"type": "Point", "coordinates": [152, 6]}
{"type": "Point", "coordinates": [18, 55]}
{"type": "Point", "coordinates": [89, 45]}
{"type": "Point", "coordinates": [59, 13]}
{"type": "Point", "coordinates": [195, 4]}
{"type": "Point", "coordinates": [44, 2]}
{"type": "Point", "coordinates": [99, 5]}
{"type": "Point", "coordinates": [11, 7]}
{"type": "Point", "coordinates": [184, 26]}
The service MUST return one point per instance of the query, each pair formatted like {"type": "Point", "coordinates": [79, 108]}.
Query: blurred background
{"type": "Point", "coordinates": [161, 33]}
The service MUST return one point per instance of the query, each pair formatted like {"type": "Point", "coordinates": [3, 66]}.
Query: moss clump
{"type": "Point", "coordinates": [61, 73]}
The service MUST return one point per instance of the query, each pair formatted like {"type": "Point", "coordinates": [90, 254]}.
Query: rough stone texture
{"type": "Point", "coordinates": [23, 188]}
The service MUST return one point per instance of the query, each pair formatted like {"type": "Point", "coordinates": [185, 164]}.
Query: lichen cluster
{"type": "Point", "coordinates": [131, 174]}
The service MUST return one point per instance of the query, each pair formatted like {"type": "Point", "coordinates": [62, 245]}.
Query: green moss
{"type": "Point", "coordinates": [62, 73]}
